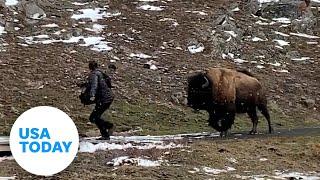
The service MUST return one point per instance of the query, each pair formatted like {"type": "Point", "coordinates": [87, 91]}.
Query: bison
{"type": "Point", "coordinates": [224, 92]}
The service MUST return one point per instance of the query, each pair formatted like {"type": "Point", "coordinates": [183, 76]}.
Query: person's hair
{"type": "Point", "coordinates": [93, 65]}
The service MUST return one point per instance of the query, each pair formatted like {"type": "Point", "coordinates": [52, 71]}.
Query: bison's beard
{"type": "Point", "coordinates": [221, 122]}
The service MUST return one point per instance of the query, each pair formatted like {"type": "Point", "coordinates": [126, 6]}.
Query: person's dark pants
{"type": "Point", "coordinates": [95, 117]}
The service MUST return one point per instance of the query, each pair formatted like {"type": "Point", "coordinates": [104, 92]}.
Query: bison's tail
{"type": "Point", "coordinates": [244, 71]}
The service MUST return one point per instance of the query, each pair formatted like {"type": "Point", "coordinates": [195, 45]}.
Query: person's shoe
{"type": "Point", "coordinates": [104, 134]}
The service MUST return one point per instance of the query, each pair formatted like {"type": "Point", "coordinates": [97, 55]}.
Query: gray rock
{"type": "Point", "coordinates": [175, 99]}
{"type": "Point", "coordinates": [308, 102]}
{"type": "Point", "coordinates": [304, 25]}
{"type": "Point", "coordinates": [76, 32]}
{"type": "Point", "coordinates": [226, 36]}
{"type": "Point", "coordinates": [278, 10]}
{"type": "Point", "coordinates": [291, 9]}
{"type": "Point", "coordinates": [32, 11]}
{"type": "Point", "coordinates": [293, 54]}
{"type": "Point", "coordinates": [178, 98]}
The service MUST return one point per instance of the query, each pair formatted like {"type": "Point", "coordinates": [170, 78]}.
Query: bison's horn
{"type": "Point", "coordinates": [206, 84]}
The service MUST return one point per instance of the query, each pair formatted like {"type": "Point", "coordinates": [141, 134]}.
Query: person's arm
{"type": "Point", "coordinates": [93, 80]}
{"type": "Point", "coordinates": [108, 80]}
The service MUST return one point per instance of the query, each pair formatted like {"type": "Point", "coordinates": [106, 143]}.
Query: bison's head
{"type": "Point", "coordinates": [199, 92]}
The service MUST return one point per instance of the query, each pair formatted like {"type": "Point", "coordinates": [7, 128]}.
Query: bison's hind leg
{"type": "Point", "coordinates": [264, 111]}
{"type": "Point", "coordinates": [254, 118]}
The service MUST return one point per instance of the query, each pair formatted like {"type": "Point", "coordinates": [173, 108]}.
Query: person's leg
{"type": "Point", "coordinates": [95, 117]}
{"type": "Point", "coordinates": [109, 126]}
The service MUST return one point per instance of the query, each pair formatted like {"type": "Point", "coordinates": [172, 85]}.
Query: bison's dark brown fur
{"type": "Point", "coordinates": [225, 92]}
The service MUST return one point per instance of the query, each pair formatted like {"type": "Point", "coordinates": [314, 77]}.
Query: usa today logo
{"type": "Point", "coordinates": [44, 140]}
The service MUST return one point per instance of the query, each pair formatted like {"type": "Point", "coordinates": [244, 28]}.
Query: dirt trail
{"type": "Point", "coordinates": [314, 131]}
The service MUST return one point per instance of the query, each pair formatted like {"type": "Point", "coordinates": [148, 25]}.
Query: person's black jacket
{"type": "Point", "coordinates": [99, 87]}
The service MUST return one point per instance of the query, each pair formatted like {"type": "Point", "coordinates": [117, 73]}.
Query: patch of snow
{"type": "Point", "coordinates": [11, 2]}
{"type": "Point", "coordinates": [305, 35]}
{"type": "Point", "coordinates": [255, 39]}
{"type": "Point", "coordinates": [267, 1]}
{"type": "Point", "coordinates": [195, 170]}
{"type": "Point", "coordinates": [232, 160]}
{"type": "Point", "coordinates": [93, 14]}
{"type": "Point", "coordinates": [148, 7]}
{"type": "Point", "coordinates": [230, 168]}
{"type": "Point", "coordinates": [42, 36]}
{"type": "Point", "coordinates": [102, 46]}
{"type": "Point", "coordinates": [281, 42]}
{"type": "Point", "coordinates": [38, 16]}
{"type": "Point", "coordinates": [282, 20]}
{"type": "Point", "coordinates": [2, 31]}
{"type": "Point", "coordinates": [281, 34]}
{"type": "Point", "coordinates": [312, 42]}
{"type": "Point", "coordinates": [280, 71]}
{"type": "Point", "coordinates": [4, 139]}
{"type": "Point", "coordinates": [229, 55]}
{"type": "Point", "coordinates": [148, 0]}
{"type": "Point", "coordinates": [253, 177]}
{"type": "Point", "coordinates": [279, 47]}
{"type": "Point", "coordinates": [262, 23]}
{"type": "Point", "coordinates": [235, 9]}
{"type": "Point", "coordinates": [118, 161]}
{"type": "Point", "coordinates": [263, 159]}
{"type": "Point", "coordinates": [154, 139]}
{"type": "Point", "coordinates": [140, 55]}
{"type": "Point", "coordinates": [72, 39]}
{"type": "Point", "coordinates": [153, 67]}
{"type": "Point", "coordinates": [24, 45]}
{"type": "Point", "coordinates": [96, 43]}
{"type": "Point", "coordinates": [200, 13]}
{"type": "Point", "coordinates": [196, 48]}
{"type": "Point", "coordinates": [275, 64]}
{"type": "Point", "coordinates": [148, 163]}
{"type": "Point", "coordinates": [5, 158]}
{"type": "Point", "coordinates": [97, 28]}
{"type": "Point", "coordinates": [79, 4]}
{"type": "Point", "coordinates": [7, 178]}
{"type": "Point", "coordinates": [300, 59]}
{"type": "Point", "coordinates": [88, 41]}
{"type": "Point", "coordinates": [232, 33]}
{"type": "Point", "coordinates": [239, 61]}
{"type": "Point", "coordinates": [174, 21]}
{"type": "Point", "coordinates": [126, 160]}
{"type": "Point", "coordinates": [260, 56]}
{"type": "Point", "coordinates": [50, 25]}
{"type": "Point", "coordinates": [284, 25]}
{"type": "Point", "coordinates": [213, 171]}
{"type": "Point", "coordinates": [90, 147]}
{"type": "Point", "coordinates": [209, 170]}
{"type": "Point", "coordinates": [260, 67]}
{"type": "Point", "coordinates": [296, 175]}
{"type": "Point", "coordinates": [139, 142]}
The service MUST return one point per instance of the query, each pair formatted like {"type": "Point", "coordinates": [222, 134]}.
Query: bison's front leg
{"type": "Point", "coordinates": [224, 133]}
{"type": "Point", "coordinates": [222, 121]}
